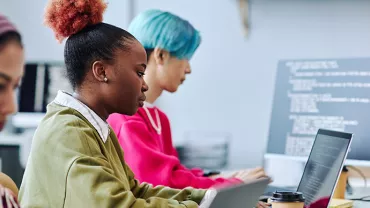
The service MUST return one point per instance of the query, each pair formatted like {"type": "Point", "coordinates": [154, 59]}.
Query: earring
{"type": "Point", "coordinates": [105, 79]}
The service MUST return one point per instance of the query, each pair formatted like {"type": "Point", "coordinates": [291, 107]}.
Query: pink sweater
{"type": "Point", "coordinates": [152, 157]}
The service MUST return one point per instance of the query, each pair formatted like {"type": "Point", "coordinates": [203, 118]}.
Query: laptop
{"type": "Point", "coordinates": [240, 196]}
{"type": "Point", "coordinates": [324, 166]}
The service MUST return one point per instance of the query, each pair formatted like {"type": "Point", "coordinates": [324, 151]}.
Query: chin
{"type": "Point", "coordinates": [172, 89]}
{"type": "Point", "coordinates": [131, 112]}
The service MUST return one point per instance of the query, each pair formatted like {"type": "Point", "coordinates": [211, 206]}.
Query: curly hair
{"type": "Point", "coordinates": [70, 16]}
{"type": "Point", "coordinates": [88, 38]}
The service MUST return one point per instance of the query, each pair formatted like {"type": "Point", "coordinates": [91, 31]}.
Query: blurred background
{"type": "Point", "coordinates": [246, 57]}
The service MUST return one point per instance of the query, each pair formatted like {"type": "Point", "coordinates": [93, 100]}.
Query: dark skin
{"type": "Point", "coordinates": [123, 90]}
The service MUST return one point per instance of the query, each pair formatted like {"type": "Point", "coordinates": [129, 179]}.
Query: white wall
{"type": "Point", "coordinates": [40, 44]}
{"type": "Point", "coordinates": [232, 83]}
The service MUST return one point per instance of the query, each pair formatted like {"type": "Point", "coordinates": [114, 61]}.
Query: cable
{"type": "Point", "coordinates": [361, 199]}
{"type": "Point", "coordinates": [359, 172]}
{"type": "Point", "coordinates": [364, 198]}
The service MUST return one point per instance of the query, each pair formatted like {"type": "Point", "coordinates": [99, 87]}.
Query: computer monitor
{"type": "Point", "coordinates": [327, 93]}
{"type": "Point", "coordinates": [312, 94]}
{"type": "Point", "coordinates": [40, 84]}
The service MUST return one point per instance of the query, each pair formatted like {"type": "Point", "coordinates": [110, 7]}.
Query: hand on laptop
{"type": "Point", "coordinates": [263, 205]}
{"type": "Point", "coordinates": [250, 174]}
{"type": "Point", "coordinates": [215, 176]}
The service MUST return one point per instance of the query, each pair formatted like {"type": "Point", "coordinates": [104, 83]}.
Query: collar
{"type": "Point", "coordinates": [67, 100]}
{"type": "Point", "coordinates": [149, 105]}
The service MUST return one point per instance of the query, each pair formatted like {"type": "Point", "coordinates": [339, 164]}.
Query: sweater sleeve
{"type": "Point", "coordinates": [151, 165]}
{"type": "Point", "coordinates": [146, 191]}
{"type": "Point", "coordinates": [91, 179]}
{"type": "Point", "coordinates": [91, 183]}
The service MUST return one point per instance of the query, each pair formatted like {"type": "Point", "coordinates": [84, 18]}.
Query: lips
{"type": "Point", "coordinates": [142, 98]}
{"type": "Point", "coordinates": [141, 101]}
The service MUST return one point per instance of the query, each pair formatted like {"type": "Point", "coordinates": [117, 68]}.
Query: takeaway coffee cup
{"type": "Point", "coordinates": [287, 200]}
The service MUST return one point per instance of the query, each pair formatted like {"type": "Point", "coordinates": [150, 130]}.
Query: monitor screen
{"type": "Point", "coordinates": [40, 85]}
{"type": "Point", "coordinates": [324, 166]}
{"type": "Point", "coordinates": [323, 93]}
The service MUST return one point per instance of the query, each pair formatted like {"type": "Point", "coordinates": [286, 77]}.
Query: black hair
{"type": "Point", "coordinates": [95, 42]}
{"type": "Point", "coordinates": [10, 36]}
{"type": "Point", "coordinates": [149, 52]}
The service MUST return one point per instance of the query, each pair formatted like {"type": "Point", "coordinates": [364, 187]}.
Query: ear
{"type": "Point", "coordinates": [161, 56]}
{"type": "Point", "coordinates": [99, 71]}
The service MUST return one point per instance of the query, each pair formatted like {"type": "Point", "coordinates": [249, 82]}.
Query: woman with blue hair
{"type": "Point", "coordinates": [170, 42]}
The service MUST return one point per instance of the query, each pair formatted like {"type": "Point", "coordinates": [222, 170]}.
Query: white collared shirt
{"type": "Point", "coordinates": [67, 100]}
{"type": "Point", "coordinates": [149, 105]}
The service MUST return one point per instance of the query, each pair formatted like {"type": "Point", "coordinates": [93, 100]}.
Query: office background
{"type": "Point", "coordinates": [232, 83]}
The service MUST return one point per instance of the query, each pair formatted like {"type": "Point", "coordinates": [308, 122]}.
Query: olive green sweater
{"type": "Point", "coordinates": [71, 166]}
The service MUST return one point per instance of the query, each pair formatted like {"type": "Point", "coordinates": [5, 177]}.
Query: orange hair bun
{"type": "Point", "coordinates": [67, 17]}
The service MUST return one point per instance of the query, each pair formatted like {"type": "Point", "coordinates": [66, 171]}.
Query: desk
{"type": "Point", "coordinates": [358, 193]}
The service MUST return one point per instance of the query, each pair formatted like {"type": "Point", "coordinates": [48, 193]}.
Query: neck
{"type": "Point", "coordinates": [155, 89]}
{"type": "Point", "coordinates": [93, 103]}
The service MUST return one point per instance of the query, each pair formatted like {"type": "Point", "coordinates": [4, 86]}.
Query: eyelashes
{"type": "Point", "coordinates": [141, 74]}
{"type": "Point", "coordinates": [2, 87]}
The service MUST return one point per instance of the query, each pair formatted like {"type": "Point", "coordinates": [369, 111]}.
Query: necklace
{"type": "Point", "coordinates": [157, 128]}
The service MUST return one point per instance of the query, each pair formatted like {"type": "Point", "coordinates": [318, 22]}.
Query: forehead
{"type": "Point", "coordinates": [11, 60]}
{"type": "Point", "coordinates": [137, 52]}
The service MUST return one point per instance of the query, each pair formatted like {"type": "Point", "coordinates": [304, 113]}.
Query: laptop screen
{"type": "Point", "coordinates": [324, 166]}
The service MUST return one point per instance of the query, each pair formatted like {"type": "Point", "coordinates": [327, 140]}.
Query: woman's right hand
{"type": "Point", "coordinates": [250, 174]}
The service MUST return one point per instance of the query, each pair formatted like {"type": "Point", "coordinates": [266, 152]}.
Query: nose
{"type": "Point", "coordinates": [188, 69]}
{"type": "Point", "coordinates": [144, 87]}
{"type": "Point", "coordinates": [8, 105]}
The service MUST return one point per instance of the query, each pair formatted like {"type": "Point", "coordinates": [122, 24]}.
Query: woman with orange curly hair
{"type": "Point", "coordinates": [75, 158]}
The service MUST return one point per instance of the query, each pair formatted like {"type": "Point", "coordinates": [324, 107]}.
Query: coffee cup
{"type": "Point", "coordinates": [287, 200]}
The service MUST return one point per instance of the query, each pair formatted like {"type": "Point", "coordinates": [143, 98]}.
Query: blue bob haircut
{"type": "Point", "coordinates": [158, 29]}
